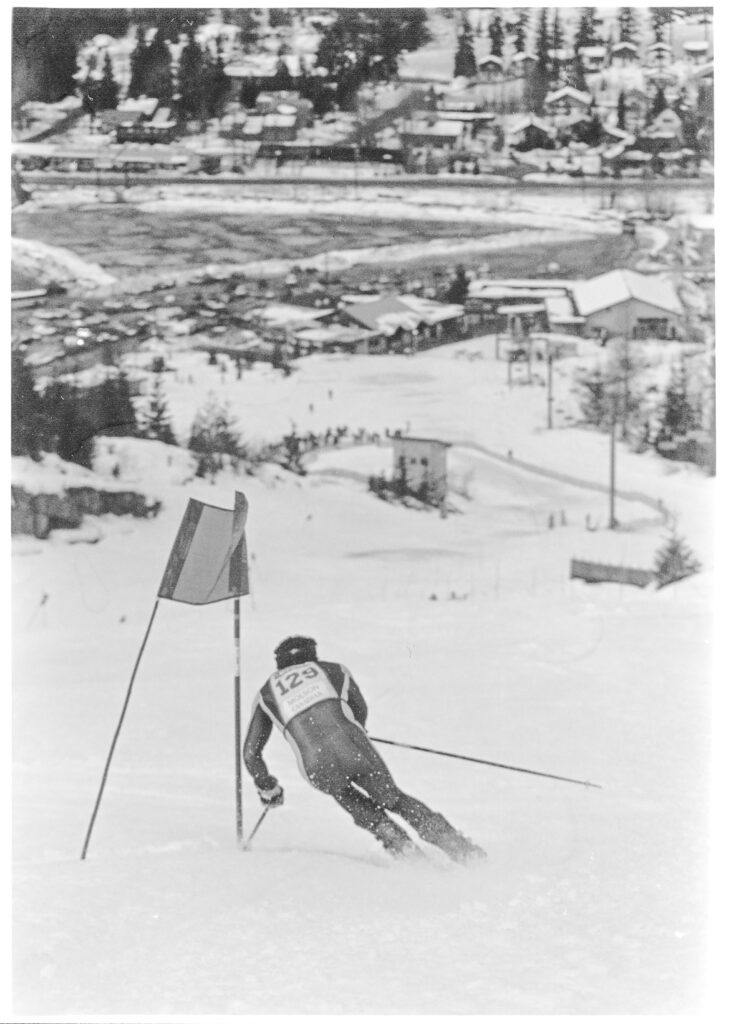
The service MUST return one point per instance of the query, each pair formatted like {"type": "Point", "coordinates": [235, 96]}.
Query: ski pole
{"type": "Point", "coordinates": [479, 760]}
{"type": "Point", "coordinates": [255, 829]}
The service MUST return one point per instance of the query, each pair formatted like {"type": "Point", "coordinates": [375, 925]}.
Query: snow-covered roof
{"type": "Point", "coordinates": [569, 93]}
{"type": "Point", "coordinates": [490, 59]}
{"type": "Point", "coordinates": [146, 104]}
{"type": "Point", "coordinates": [593, 51]}
{"type": "Point", "coordinates": [280, 120]}
{"type": "Point", "coordinates": [619, 286]}
{"type": "Point", "coordinates": [282, 315]}
{"type": "Point", "coordinates": [518, 58]}
{"type": "Point", "coordinates": [655, 47]}
{"type": "Point", "coordinates": [450, 129]}
{"type": "Point", "coordinates": [530, 121]}
{"type": "Point", "coordinates": [696, 46]}
{"type": "Point", "coordinates": [432, 312]}
{"type": "Point", "coordinates": [618, 47]}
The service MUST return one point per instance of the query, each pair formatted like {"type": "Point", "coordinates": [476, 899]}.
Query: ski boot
{"type": "Point", "coordinates": [395, 841]}
{"type": "Point", "coordinates": [461, 849]}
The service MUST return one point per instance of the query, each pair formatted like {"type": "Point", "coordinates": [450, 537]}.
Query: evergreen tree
{"type": "Point", "coordinates": [75, 431]}
{"type": "Point", "coordinates": [158, 78]}
{"type": "Point", "coordinates": [282, 81]}
{"type": "Point", "coordinates": [249, 25]}
{"type": "Point", "coordinates": [459, 286]}
{"type": "Point", "coordinates": [26, 411]}
{"type": "Point", "coordinates": [586, 32]}
{"type": "Point", "coordinates": [155, 420]}
{"type": "Point", "coordinates": [138, 65]}
{"type": "Point", "coordinates": [577, 75]}
{"type": "Point", "coordinates": [217, 85]}
{"type": "Point", "coordinates": [675, 561]}
{"type": "Point", "coordinates": [627, 25]}
{"type": "Point", "coordinates": [621, 111]}
{"type": "Point", "coordinates": [106, 94]}
{"type": "Point", "coordinates": [556, 41]}
{"type": "Point", "coordinates": [465, 65]}
{"type": "Point", "coordinates": [117, 411]}
{"type": "Point", "coordinates": [215, 430]}
{"type": "Point", "coordinates": [521, 30]}
{"type": "Point", "coordinates": [660, 18]}
{"type": "Point", "coordinates": [678, 414]}
{"type": "Point", "coordinates": [540, 78]}
{"type": "Point", "coordinates": [659, 103]}
{"type": "Point", "coordinates": [497, 35]}
{"type": "Point", "coordinates": [191, 84]}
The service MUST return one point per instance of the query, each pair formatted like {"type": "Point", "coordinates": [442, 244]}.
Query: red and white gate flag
{"type": "Point", "coordinates": [208, 560]}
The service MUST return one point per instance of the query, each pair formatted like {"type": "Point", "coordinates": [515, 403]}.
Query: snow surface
{"type": "Point", "coordinates": [465, 633]}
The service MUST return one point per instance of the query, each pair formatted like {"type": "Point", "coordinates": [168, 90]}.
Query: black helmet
{"type": "Point", "coordinates": [295, 650]}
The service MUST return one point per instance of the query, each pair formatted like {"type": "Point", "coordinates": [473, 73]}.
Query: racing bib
{"type": "Point", "coordinates": [298, 688]}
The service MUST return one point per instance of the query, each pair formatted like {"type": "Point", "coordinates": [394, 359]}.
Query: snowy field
{"type": "Point", "coordinates": [465, 635]}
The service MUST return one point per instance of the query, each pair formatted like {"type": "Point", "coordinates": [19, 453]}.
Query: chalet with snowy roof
{"type": "Point", "coordinates": [262, 69]}
{"type": "Point", "coordinates": [531, 133]}
{"type": "Point", "coordinates": [279, 128]}
{"type": "Point", "coordinates": [659, 54]}
{"type": "Point", "coordinates": [624, 54]}
{"type": "Point", "coordinates": [696, 52]}
{"type": "Point", "coordinates": [567, 100]}
{"type": "Point", "coordinates": [438, 134]}
{"type": "Point", "coordinates": [162, 128]}
{"type": "Point", "coordinates": [663, 135]}
{"type": "Point", "coordinates": [593, 58]}
{"type": "Point", "coordinates": [628, 304]}
{"type": "Point", "coordinates": [421, 462]}
{"type": "Point", "coordinates": [490, 69]}
{"type": "Point", "coordinates": [522, 64]}
{"type": "Point", "coordinates": [561, 58]}
{"type": "Point", "coordinates": [285, 102]}
{"type": "Point", "coordinates": [407, 322]}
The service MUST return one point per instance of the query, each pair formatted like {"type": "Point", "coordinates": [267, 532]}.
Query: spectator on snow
{"type": "Point", "coordinates": [322, 713]}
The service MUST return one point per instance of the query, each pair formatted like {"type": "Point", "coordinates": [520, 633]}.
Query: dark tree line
{"type": "Point", "coordinates": [364, 44]}
{"type": "Point", "coordinates": [65, 419]}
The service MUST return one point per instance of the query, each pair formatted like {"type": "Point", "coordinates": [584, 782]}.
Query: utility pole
{"type": "Point", "coordinates": [549, 361]}
{"type": "Point", "coordinates": [612, 465]}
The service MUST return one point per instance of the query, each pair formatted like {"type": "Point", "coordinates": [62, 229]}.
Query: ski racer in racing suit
{"type": "Point", "coordinates": [322, 713]}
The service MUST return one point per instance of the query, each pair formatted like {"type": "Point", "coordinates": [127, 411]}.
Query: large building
{"type": "Point", "coordinates": [623, 302]}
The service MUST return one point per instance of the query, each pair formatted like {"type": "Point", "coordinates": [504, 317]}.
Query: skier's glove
{"type": "Point", "coordinates": [273, 797]}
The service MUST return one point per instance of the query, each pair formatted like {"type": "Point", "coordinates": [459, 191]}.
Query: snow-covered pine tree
{"type": "Point", "coordinates": [675, 560]}
{"type": "Point", "coordinates": [497, 35]}
{"type": "Point", "coordinates": [465, 65]}
{"type": "Point", "coordinates": [26, 409]}
{"type": "Point", "coordinates": [155, 422]}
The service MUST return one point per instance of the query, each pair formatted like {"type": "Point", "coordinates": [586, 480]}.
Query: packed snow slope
{"type": "Point", "coordinates": [465, 633]}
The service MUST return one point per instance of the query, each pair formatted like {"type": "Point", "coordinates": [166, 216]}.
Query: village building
{"type": "Point", "coordinates": [521, 65]}
{"type": "Point", "coordinates": [593, 58]}
{"type": "Point", "coordinates": [422, 465]}
{"type": "Point", "coordinates": [632, 305]}
{"type": "Point", "coordinates": [336, 337]}
{"type": "Point", "coordinates": [408, 323]}
{"type": "Point", "coordinates": [625, 54]}
{"type": "Point", "coordinates": [161, 127]}
{"type": "Point", "coordinates": [697, 51]}
{"type": "Point", "coordinates": [279, 128]}
{"type": "Point", "coordinates": [663, 135]}
{"type": "Point", "coordinates": [490, 69]}
{"type": "Point", "coordinates": [659, 54]}
{"type": "Point", "coordinates": [567, 101]}
{"type": "Point", "coordinates": [439, 134]}
{"type": "Point", "coordinates": [531, 133]}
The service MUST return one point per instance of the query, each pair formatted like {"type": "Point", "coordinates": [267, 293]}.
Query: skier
{"type": "Point", "coordinates": [322, 713]}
